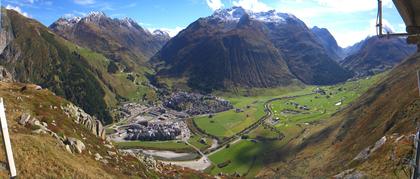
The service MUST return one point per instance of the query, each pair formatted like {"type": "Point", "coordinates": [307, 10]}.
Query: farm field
{"type": "Point", "coordinates": [176, 146]}
{"type": "Point", "coordinates": [318, 106]}
{"type": "Point", "coordinates": [247, 156]}
{"type": "Point", "coordinates": [226, 124]}
{"type": "Point", "coordinates": [195, 141]}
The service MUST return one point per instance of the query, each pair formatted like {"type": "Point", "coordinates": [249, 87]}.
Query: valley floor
{"type": "Point", "coordinates": [290, 117]}
{"type": "Point", "coordinates": [238, 141]}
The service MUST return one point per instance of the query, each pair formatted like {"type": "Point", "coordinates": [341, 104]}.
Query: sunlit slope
{"type": "Point", "coordinates": [389, 109]}
{"type": "Point", "coordinates": [42, 156]}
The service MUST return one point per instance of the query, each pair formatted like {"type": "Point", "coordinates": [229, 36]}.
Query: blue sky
{"type": "Point", "coordinates": [348, 20]}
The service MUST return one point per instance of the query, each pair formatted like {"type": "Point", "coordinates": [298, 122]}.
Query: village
{"type": "Point", "coordinates": [163, 122]}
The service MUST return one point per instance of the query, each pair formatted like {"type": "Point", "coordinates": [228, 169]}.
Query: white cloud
{"type": "Point", "coordinates": [84, 2]}
{"type": "Point", "coordinates": [253, 5]}
{"type": "Point", "coordinates": [171, 31]}
{"type": "Point", "coordinates": [350, 37]}
{"type": "Point", "coordinates": [328, 7]}
{"type": "Point", "coordinates": [348, 20]}
{"type": "Point", "coordinates": [215, 4]}
{"type": "Point", "coordinates": [349, 6]}
{"type": "Point", "coordinates": [17, 9]}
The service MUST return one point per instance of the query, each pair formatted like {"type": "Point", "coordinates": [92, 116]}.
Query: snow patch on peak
{"type": "Point", "coordinates": [96, 14]}
{"type": "Point", "coordinates": [71, 19]}
{"type": "Point", "coordinates": [160, 33]}
{"type": "Point", "coordinates": [230, 14]}
{"type": "Point", "coordinates": [128, 22]}
{"type": "Point", "coordinates": [235, 13]}
{"type": "Point", "coordinates": [67, 21]}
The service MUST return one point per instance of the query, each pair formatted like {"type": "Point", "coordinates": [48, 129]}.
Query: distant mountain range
{"type": "Point", "coordinates": [369, 56]}
{"type": "Point", "coordinates": [374, 55]}
{"type": "Point", "coordinates": [236, 47]}
{"type": "Point", "coordinates": [121, 40]}
{"type": "Point", "coordinates": [96, 61]}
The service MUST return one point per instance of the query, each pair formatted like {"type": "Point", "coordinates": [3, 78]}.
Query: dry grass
{"type": "Point", "coordinates": [328, 148]}
{"type": "Point", "coordinates": [40, 156]}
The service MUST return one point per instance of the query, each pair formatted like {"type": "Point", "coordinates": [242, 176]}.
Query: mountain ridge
{"type": "Point", "coordinates": [121, 40]}
{"type": "Point", "coordinates": [374, 55]}
{"type": "Point", "coordinates": [266, 26]}
{"type": "Point", "coordinates": [329, 42]}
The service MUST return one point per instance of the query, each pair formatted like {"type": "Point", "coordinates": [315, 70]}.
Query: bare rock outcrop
{"type": "Point", "coordinates": [350, 174]}
{"type": "Point", "coordinates": [364, 154]}
{"type": "Point", "coordinates": [72, 145]}
{"type": "Point", "coordinates": [5, 76]}
{"type": "Point", "coordinates": [81, 117]}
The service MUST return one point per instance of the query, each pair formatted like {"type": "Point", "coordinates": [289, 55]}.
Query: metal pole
{"type": "Point", "coordinates": [418, 79]}
{"type": "Point", "coordinates": [6, 141]}
{"type": "Point", "coordinates": [415, 173]}
{"type": "Point", "coordinates": [380, 17]}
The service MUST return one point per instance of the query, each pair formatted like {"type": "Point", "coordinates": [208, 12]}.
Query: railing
{"type": "Point", "coordinates": [416, 164]}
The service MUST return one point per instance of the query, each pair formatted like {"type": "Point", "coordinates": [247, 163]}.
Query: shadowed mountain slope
{"type": "Point", "coordinates": [247, 49]}
{"type": "Point", "coordinates": [377, 54]}
{"type": "Point", "coordinates": [34, 54]}
{"type": "Point", "coordinates": [329, 42]}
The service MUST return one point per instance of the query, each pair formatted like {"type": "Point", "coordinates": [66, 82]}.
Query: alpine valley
{"type": "Point", "coordinates": [236, 94]}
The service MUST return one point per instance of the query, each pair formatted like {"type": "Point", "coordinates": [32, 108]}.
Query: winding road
{"type": "Point", "coordinates": [237, 137]}
{"type": "Point", "coordinates": [204, 162]}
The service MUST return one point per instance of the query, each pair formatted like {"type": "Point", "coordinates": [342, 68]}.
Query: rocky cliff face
{"type": "Point", "coordinates": [5, 76]}
{"type": "Point", "coordinates": [247, 49]}
{"type": "Point", "coordinates": [82, 118]}
{"type": "Point", "coordinates": [5, 37]}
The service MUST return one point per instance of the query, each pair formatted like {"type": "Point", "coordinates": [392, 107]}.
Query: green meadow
{"type": "Point", "coordinates": [247, 157]}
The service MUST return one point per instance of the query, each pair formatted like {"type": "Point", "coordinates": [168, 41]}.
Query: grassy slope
{"type": "Point", "coordinates": [40, 156]}
{"type": "Point", "coordinates": [323, 106]}
{"type": "Point", "coordinates": [164, 145]}
{"type": "Point", "coordinates": [37, 55]}
{"type": "Point", "coordinates": [118, 83]}
{"type": "Point", "coordinates": [388, 109]}
{"type": "Point", "coordinates": [176, 146]}
{"type": "Point", "coordinates": [195, 141]}
{"type": "Point", "coordinates": [250, 157]}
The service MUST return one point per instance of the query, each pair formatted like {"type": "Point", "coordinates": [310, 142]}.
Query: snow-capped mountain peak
{"type": "Point", "coordinates": [230, 14]}
{"type": "Point", "coordinates": [96, 14]}
{"type": "Point", "coordinates": [160, 33]}
{"type": "Point", "coordinates": [235, 13]}
{"type": "Point", "coordinates": [128, 22]}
